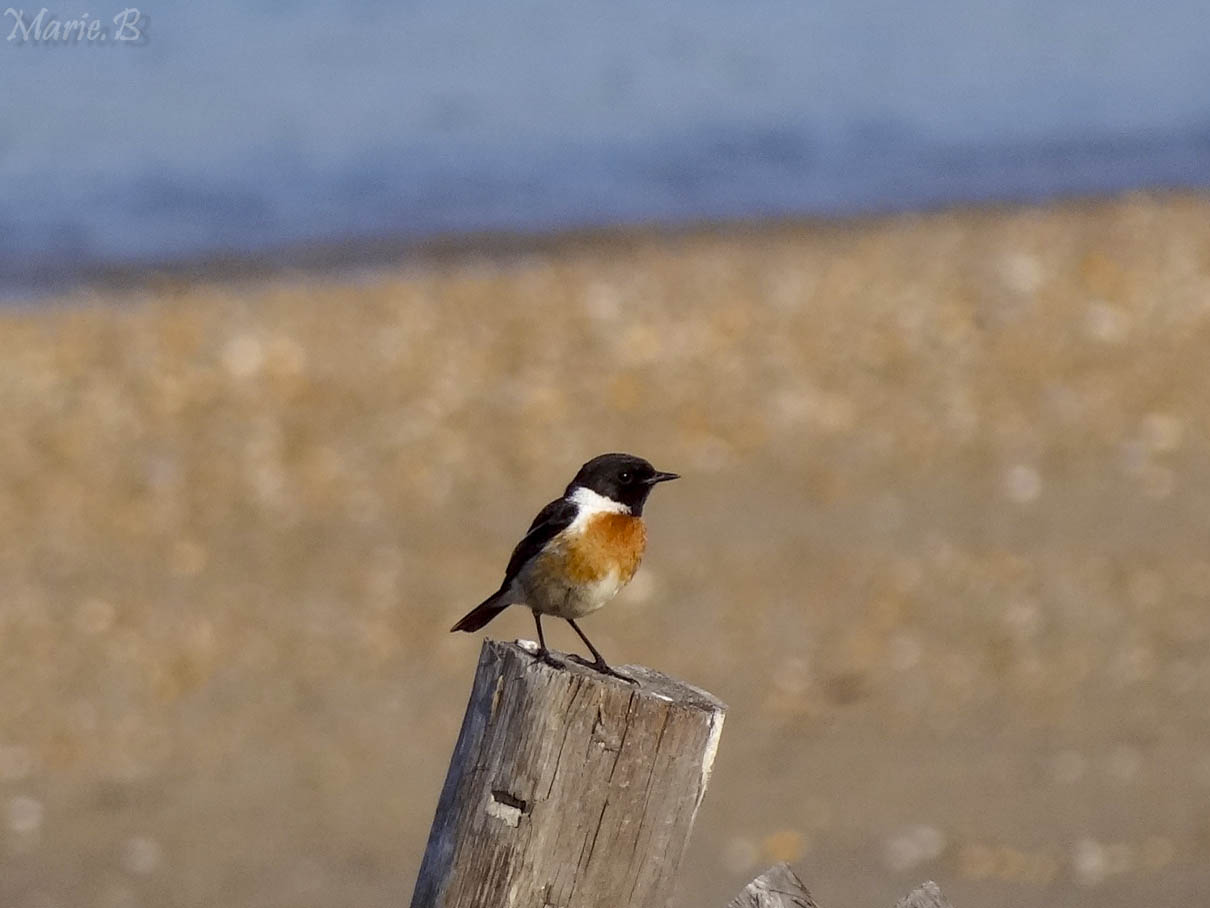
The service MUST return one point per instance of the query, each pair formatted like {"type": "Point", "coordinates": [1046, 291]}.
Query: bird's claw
{"type": "Point", "coordinates": [547, 658]}
{"type": "Point", "coordinates": [601, 666]}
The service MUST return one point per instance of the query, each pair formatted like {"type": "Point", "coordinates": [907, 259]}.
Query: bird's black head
{"type": "Point", "coordinates": [623, 478]}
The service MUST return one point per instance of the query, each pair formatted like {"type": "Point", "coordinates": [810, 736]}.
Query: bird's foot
{"type": "Point", "coordinates": [604, 668]}
{"type": "Point", "coordinates": [546, 657]}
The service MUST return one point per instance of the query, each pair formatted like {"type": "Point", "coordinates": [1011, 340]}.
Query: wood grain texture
{"type": "Point", "coordinates": [928, 895]}
{"type": "Point", "coordinates": [777, 887]}
{"type": "Point", "coordinates": [568, 788]}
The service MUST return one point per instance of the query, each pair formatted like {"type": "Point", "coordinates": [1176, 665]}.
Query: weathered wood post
{"type": "Point", "coordinates": [568, 788]}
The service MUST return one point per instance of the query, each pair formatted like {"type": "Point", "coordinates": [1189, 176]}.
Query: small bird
{"type": "Point", "coordinates": [579, 551]}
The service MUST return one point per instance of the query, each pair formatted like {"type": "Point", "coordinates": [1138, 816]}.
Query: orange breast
{"type": "Point", "coordinates": [610, 542]}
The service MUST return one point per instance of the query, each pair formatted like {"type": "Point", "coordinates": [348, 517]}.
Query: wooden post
{"type": "Point", "coordinates": [568, 788]}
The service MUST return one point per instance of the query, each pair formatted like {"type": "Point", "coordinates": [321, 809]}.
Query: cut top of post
{"type": "Point", "coordinates": [649, 681]}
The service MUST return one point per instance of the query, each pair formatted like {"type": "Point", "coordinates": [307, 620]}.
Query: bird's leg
{"type": "Point", "coordinates": [543, 654]}
{"type": "Point", "coordinates": [600, 664]}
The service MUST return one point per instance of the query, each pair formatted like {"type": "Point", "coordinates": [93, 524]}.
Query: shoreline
{"type": "Point", "coordinates": [354, 258]}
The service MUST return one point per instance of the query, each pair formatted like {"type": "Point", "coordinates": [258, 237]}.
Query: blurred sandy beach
{"type": "Point", "coordinates": [943, 545]}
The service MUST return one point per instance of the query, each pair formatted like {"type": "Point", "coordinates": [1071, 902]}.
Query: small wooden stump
{"type": "Point", "coordinates": [928, 895]}
{"type": "Point", "coordinates": [568, 788]}
{"type": "Point", "coordinates": [777, 887]}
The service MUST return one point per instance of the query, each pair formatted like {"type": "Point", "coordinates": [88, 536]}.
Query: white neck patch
{"type": "Point", "coordinates": [590, 503]}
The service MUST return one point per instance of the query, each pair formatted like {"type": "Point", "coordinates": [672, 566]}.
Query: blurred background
{"type": "Point", "coordinates": [307, 308]}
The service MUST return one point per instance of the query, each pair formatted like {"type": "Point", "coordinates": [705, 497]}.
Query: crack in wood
{"type": "Point", "coordinates": [554, 773]}
{"type": "Point", "coordinates": [625, 732]}
{"type": "Point", "coordinates": [595, 833]}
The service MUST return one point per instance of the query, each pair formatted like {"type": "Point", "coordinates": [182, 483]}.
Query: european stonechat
{"type": "Point", "coordinates": [580, 550]}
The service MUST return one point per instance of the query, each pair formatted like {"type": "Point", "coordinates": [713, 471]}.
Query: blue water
{"type": "Point", "coordinates": [246, 127]}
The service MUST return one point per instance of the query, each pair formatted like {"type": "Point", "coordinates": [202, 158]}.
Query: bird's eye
{"type": "Point", "coordinates": [625, 477]}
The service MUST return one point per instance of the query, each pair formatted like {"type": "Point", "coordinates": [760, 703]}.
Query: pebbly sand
{"type": "Point", "coordinates": [943, 545]}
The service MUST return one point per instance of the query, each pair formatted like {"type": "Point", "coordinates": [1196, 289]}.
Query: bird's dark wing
{"type": "Point", "coordinates": [551, 520]}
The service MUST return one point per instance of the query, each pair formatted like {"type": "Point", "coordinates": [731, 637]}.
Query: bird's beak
{"type": "Point", "coordinates": [662, 477]}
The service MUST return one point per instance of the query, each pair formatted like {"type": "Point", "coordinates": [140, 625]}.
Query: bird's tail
{"type": "Point", "coordinates": [482, 613]}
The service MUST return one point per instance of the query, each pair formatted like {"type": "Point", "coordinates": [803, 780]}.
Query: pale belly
{"type": "Point", "coordinates": [550, 596]}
